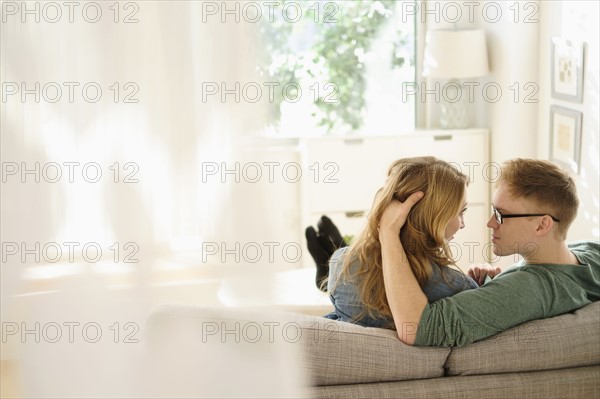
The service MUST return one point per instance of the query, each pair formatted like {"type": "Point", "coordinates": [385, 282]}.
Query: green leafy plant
{"type": "Point", "coordinates": [334, 51]}
{"type": "Point", "coordinates": [348, 239]}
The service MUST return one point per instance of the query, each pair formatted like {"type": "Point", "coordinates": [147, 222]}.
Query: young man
{"type": "Point", "coordinates": [534, 204]}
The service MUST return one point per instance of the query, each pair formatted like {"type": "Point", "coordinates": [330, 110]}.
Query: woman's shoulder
{"type": "Point", "coordinates": [338, 257]}
{"type": "Point", "coordinates": [339, 254]}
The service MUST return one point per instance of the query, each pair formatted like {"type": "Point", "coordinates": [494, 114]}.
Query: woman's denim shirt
{"type": "Point", "coordinates": [348, 306]}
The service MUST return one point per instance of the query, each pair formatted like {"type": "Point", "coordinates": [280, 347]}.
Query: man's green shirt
{"type": "Point", "coordinates": [519, 294]}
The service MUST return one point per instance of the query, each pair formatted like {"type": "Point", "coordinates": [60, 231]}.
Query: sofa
{"type": "Point", "coordinates": [557, 357]}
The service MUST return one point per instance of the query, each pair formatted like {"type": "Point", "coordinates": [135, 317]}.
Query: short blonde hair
{"type": "Point", "coordinates": [551, 189]}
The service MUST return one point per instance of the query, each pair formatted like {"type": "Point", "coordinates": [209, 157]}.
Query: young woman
{"type": "Point", "coordinates": [356, 285]}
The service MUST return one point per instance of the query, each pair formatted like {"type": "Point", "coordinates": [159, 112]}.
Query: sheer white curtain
{"type": "Point", "coordinates": [150, 153]}
{"type": "Point", "coordinates": [150, 193]}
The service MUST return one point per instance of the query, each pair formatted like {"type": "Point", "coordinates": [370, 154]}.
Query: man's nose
{"type": "Point", "coordinates": [492, 222]}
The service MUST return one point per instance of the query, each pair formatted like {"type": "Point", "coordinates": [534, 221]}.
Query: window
{"type": "Point", "coordinates": [340, 67]}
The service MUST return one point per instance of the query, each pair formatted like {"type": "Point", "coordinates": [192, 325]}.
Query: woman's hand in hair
{"type": "Point", "coordinates": [394, 216]}
{"type": "Point", "coordinates": [480, 271]}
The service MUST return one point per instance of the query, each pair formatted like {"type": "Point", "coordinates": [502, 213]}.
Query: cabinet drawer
{"type": "Point", "coordinates": [342, 175]}
{"type": "Point", "coordinates": [346, 174]}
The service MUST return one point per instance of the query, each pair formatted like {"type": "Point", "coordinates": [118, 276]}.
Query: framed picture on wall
{"type": "Point", "coordinates": [567, 69]}
{"type": "Point", "coordinates": [565, 137]}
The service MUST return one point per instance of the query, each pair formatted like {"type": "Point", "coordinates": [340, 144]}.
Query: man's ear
{"type": "Point", "coordinates": [545, 226]}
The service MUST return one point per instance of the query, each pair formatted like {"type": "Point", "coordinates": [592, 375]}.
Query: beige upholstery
{"type": "Point", "coordinates": [569, 340]}
{"type": "Point", "coordinates": [344, 353]}
{"type": "Point", "coordinates": [551, 358]}
{"type": "Point", "coordinates": [560, 384]}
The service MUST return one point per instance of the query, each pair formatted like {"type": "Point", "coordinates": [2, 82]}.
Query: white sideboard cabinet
{"type": "Point", "coordinates": [344, 174]}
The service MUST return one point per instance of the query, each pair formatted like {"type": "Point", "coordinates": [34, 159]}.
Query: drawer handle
{"type": "Point", "coordinates": [353, 141]}
{"type": "Point", "coordinates": [442, 137]}
{"type": "Point", "coordinates": [355, 214]}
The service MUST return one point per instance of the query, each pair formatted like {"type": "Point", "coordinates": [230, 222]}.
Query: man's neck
{"type": "Point", "coordinates": [554, 252]}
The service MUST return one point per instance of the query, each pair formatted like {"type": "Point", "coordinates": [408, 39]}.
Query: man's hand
{"type": "Point", "coordinates": [394, 216]}
{"type": "Point", "coordinates": [479, 271]}
{"type": "Point", "coordinates": [405, 297]}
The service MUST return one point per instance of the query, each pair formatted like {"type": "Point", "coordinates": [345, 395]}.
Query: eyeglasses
{"type": "Point", "coordinates": [500, 217]}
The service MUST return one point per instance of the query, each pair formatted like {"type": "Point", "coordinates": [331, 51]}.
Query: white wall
{"type": "Point", "coordinates": [513, 64]}
{"type": "Point", "coordinates": [574, 20]}
{"type": "Point", "coordinates": [510, 39]}
{"type": "Point", "coordinates": [519, 46]}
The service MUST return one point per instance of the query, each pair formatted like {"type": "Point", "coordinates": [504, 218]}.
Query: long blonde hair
{"type": "Point", "coordinates": [423, 233]}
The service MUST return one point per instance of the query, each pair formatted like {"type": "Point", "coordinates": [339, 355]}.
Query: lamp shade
{"type": "Point", "coordinates": [455, 54]}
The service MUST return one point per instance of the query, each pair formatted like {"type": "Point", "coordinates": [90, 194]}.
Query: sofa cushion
{"type": "Point", "coordinates": [343, 353]}
{"type": "Point", "coordinates": [569, 340]}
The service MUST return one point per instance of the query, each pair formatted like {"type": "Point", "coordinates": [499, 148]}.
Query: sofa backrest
{"type": "Point", "coordinates": [343, 353]}
{"type": "Point", "coordinates": [339, 353]}
{"type": "Point", "coordinates": [568, 340]}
